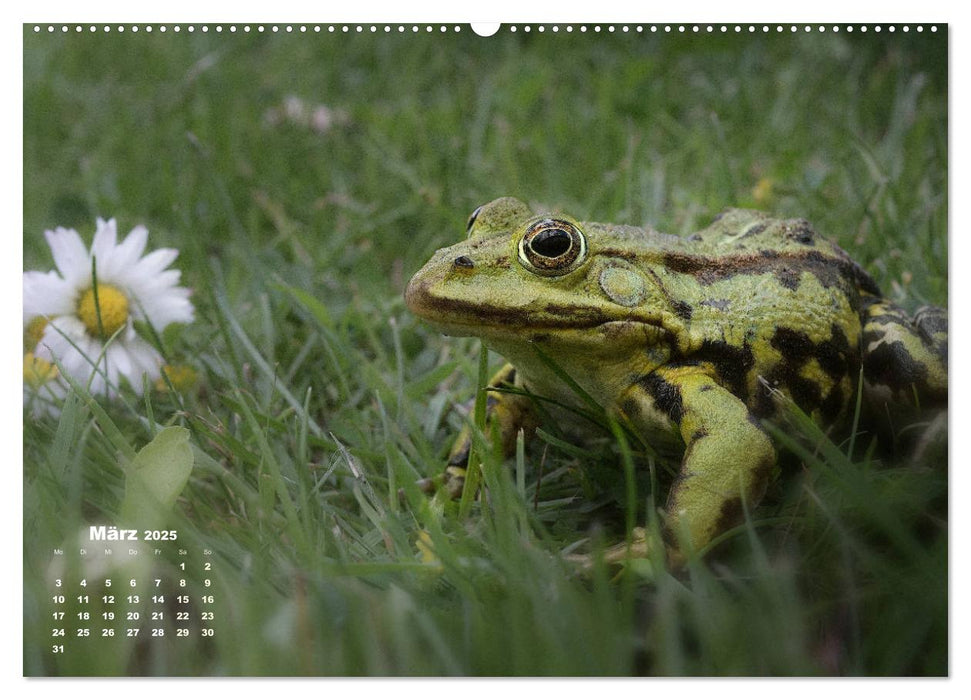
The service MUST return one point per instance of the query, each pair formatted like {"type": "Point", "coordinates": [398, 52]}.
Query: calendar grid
{"type": "Point", "coordinates": [128, 597]}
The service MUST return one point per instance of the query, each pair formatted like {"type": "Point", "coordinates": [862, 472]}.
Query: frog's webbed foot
{"type": "Point", "coordinates": [506, 413]}
{"type": "Point", "coordinates": [451, 482]}
{"type": "Point", "coordinates": [618, 554]}
{"type": "Point", "coordinates": [637, 554]}
{"type": "Point", "coordinates": [454, 481]}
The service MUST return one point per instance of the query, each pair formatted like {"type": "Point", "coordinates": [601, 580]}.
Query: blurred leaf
{"type": "Point", "coordinates": [156, 477]}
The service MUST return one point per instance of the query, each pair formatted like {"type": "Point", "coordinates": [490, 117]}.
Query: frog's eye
{"type": "Point", "coordinates": [472, 218]}
{"type": "Point", "coordinates": [552, 247]}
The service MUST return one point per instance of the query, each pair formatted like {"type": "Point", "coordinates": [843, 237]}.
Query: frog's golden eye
{"type": "Point", "coordinates": [552, 247]}
{"type": "Point", "coordinates": [472, 218]}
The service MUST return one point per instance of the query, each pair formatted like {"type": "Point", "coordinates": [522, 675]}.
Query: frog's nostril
{"type": "Point", "coordinates": [463, 261]}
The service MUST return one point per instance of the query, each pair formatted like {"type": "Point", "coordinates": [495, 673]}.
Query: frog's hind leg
{"type": "Point", "coordinates": [904, 359]}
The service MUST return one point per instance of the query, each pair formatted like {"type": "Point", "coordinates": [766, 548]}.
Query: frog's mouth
{"type": "Point", "coordinates": [535, 322]}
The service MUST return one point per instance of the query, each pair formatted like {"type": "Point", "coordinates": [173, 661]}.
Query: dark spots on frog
{"type": "Point", "coordinates": [867, 301]}
{"type": "Point", "coordinates": [682, 309]}
{"type": "Point", "coordinates": [720, 304]}
{"type": "Point", "coordinates": [731, 514]}
{"type": "Point", "coordinates": [805, 392]}
{"type": "Point", "coordinates": [794, 345]}
{"type": "Point", "coordinates": [698, 434]}
{"type": "Point", "coordinates": [501, 262]}
{"type": "Point", "coordinates": [732, 510]}
{"type": "Point", "coordinates": [731, 363]}
{"type": "Point", "coordinates": [930, 321]}
{"type": "Point", "coordinates": [892, 365]}
{"type": "Point", "coordinates": [696, 237]}
{"type": "Point", "coordinates": [667, 396]}
{"type": "Point", "coordinates": [931, 325]}
{"type": "Point", "coordinates": [831, 270]}
{"type": "Point", "coordinates": [788, 278]}
{"type": "Point", "coordinates": [834, 356]}
{"type": "Point", "coordinates": [757, 229]}
{"type": "Point", "coordinates": [463, 261]}
{"type": "Point", "coordinates": [888, 360]}
{"type": "Point", "coordinates": [628, 255]}
{"type": "Point", "coordinates": [539, 337]}
{"type": "Point", "coordinates": [876, 326]}
{"type": "Point", "coordinates": [763, 404]}
{"type": "Point", "coordinates": [685, 263]}
{"type": "Point", "coordinates": [801, 231]}
{"type": "Point", "coordinates": [871, 335]}
{"type": "Point", "coordinates": [833, 404]}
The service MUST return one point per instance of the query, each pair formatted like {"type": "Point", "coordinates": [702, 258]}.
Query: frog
{"type": "Point", "coordinates": [692, 342]}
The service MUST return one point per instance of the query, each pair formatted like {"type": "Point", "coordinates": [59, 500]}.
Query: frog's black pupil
{"type": "Point", "coordinates": [551, 242]}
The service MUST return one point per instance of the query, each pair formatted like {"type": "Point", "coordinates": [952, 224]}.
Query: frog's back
{"type": "Point", "coordinates": [770, 303]}
{"type": "Point", "coordinates": [742, 241]}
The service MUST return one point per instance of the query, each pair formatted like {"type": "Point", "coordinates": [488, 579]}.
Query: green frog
{"type": "Point", "coordinates": [688, 341]}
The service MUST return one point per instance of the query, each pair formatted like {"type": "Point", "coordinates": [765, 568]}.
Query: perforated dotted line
{"type": "Point", "coordinates": [414, 28]}
{"type": "Point", "coordinates": [725, 28]}
{"type": "Point", "coordinates": [246, 28]}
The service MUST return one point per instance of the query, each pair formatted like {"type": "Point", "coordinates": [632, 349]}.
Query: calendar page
{"type": "Point", "coordinates": [116, 586]}
{"type": "Point", "coordinates": [518, 349]}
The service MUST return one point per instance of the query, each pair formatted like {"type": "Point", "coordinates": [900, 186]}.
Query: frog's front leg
{"type": "Point", "coordinates": [506, 413]}
{"type": "Point", "coordinates": [728, 457]}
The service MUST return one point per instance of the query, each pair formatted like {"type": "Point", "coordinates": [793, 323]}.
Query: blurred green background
{"type": "Point", "coordinates": [305, 176]}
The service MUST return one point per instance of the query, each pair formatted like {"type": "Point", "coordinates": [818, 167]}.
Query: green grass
{"type": "Point", "coordinates": [320, 396]}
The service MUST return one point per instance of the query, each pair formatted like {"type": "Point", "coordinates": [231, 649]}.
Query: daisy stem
{"type": "Point", "coordinates": [94, 289]}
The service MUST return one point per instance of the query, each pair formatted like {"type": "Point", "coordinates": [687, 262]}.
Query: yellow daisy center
{"type": "Point", "coordinates": [111, 306]}
{"type": "Point", "coordinates": [34, 332]}
{"type": "Point", "coordinates": [38, 371]}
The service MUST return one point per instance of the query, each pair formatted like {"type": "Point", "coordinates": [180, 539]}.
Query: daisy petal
{"type": "Point", "coordinates": [46, 294]}
{"type": "Point", "coordinates": [103, 247]}
{"type": "Point", "coordinates": [154, 262]}
{"type": "Point", "coordinates": [70, 256]}
{"type": "Point", "coordinates": [130, 250]}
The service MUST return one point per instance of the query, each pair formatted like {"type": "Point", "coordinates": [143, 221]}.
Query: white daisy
{"type": "Point", "coordinates": [89, 329]}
